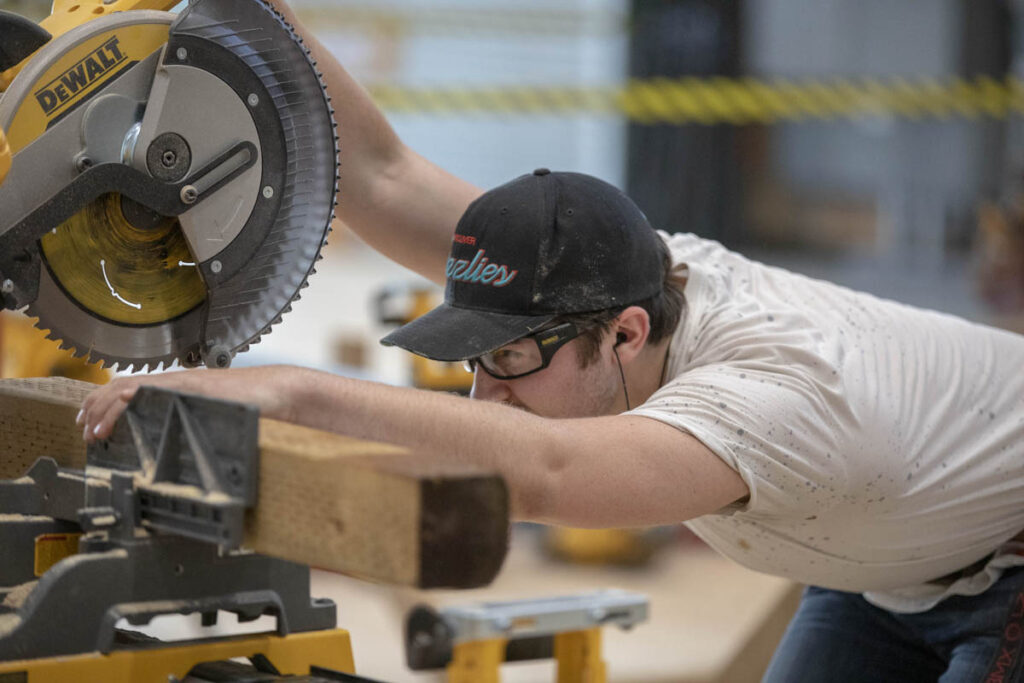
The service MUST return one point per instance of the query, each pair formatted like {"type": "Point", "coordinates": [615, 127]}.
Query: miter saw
{"type": "Point", "coordinates": [166, 180]}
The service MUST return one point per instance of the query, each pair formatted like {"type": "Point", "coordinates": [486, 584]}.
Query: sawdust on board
{"type": "Point", "coordinates": [16, 598]}
{"type": "Point", "coordinates": [8, 622]}
{"type": "Point", "coordinates": [11, 517]}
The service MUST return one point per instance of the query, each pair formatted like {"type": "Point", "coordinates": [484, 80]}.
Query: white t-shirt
{"type": "Point", "coordinates": [883, 444]}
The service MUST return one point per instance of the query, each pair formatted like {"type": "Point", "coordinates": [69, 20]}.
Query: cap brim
{"type": "Point", "coordinates": [448, 333]}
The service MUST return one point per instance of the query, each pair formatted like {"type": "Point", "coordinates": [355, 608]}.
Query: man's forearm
{"type": "Point", "coordinates": [600, 471]}
{"type": "Point", "coordinates": [494, 437]}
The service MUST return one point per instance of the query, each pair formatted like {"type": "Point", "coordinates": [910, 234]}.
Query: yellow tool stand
{"type": "Point", "coordinates": [471, 642]}
{"type": "Point", "coordinates": [577, 654]}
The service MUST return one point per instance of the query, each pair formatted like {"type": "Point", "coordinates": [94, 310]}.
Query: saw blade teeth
{"type": "Point", "coordinates": [245, 316]}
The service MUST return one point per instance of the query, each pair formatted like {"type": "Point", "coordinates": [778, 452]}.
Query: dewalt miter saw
{"type": "Point", "coordinates": [166, 180]}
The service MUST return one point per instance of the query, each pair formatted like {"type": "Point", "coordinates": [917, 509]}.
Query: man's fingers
{"type": "Point", "coordinates": [103, 427]}
{"type": "Point", "coordinates": [102, 407]}
{"type": "Point", "coordinates": [101, 404]}
{"type": "Point", "coordinates": [83, 414]}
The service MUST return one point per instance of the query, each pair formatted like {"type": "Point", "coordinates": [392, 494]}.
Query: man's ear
{"type": "Point", "coordinates": [632, 327]}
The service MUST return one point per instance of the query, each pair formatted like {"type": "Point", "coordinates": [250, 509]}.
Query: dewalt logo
{"type": "Point", "coordinates": [64, 89]}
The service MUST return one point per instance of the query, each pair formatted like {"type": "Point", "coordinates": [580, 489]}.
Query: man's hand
{"type": "Point", "coordinates": [263, 387]}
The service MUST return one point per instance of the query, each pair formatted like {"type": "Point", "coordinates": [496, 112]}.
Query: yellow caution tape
{"type": "Point", "coordinates": [464, 19]}
{"type": "Point", "coordinates": [724, 100]}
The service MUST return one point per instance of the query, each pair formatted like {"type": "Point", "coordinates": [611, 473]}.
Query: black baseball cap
{"type": "Point", "coordinates": [540, 246]}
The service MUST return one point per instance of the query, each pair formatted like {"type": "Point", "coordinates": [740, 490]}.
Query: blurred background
{"type": "Point", "coordinates": [877, 144]}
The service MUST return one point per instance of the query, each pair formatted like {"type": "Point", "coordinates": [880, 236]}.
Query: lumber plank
{"type": "Point", "coordinates": [357, 507]}
{"type": "Point", "coordinates": [37, 418]}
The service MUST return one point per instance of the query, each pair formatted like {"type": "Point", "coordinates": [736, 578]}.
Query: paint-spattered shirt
{"type": "Point", "coordinates": [883, 444]}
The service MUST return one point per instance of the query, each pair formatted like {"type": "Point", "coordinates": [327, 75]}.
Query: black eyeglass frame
{"type": "Point", "coordinates": [548, 342]}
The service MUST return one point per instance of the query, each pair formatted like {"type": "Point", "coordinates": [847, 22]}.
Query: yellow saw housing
{"type": "Point", "coordinates": [116, 271]}
{"type": "Point", "coordinates": [67, 14]}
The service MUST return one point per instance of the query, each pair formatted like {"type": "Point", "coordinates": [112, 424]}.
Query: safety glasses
{"type": "Point", "coordinates": [525, 355]}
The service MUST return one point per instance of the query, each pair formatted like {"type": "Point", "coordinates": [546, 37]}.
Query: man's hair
{"type": "Point", "coordinates": [665, 310]}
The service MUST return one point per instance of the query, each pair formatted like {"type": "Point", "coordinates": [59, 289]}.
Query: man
{"type": "Point", "coordinates": [631, 378]}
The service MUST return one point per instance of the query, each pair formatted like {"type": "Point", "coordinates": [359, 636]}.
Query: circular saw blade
{"type": "Point", "coordinates": [125, 294]}
{"type": "Point", "coordinates": [121, 272]}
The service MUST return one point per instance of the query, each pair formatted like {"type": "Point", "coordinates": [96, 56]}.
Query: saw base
{"type": "Point", "coordinates": [295, 654]}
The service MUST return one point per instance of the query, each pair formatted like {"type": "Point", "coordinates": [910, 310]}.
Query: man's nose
{"type": "Point", "coordinates": [486, 388]}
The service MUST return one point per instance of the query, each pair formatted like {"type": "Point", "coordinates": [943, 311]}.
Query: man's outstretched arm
{"type": "Point", "coordinates": [398, 202]}
{"type": "Point", "coordinates": [603, 471]}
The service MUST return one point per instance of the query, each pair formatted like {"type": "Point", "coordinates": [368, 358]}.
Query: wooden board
{"type": "Point", "coordinates": [357, 507]}
{"type": "Point", "coordinates": [37, 418]}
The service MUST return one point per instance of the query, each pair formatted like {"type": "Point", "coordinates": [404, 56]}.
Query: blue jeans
{"type": "Point", "coordinates": [838, 637]}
